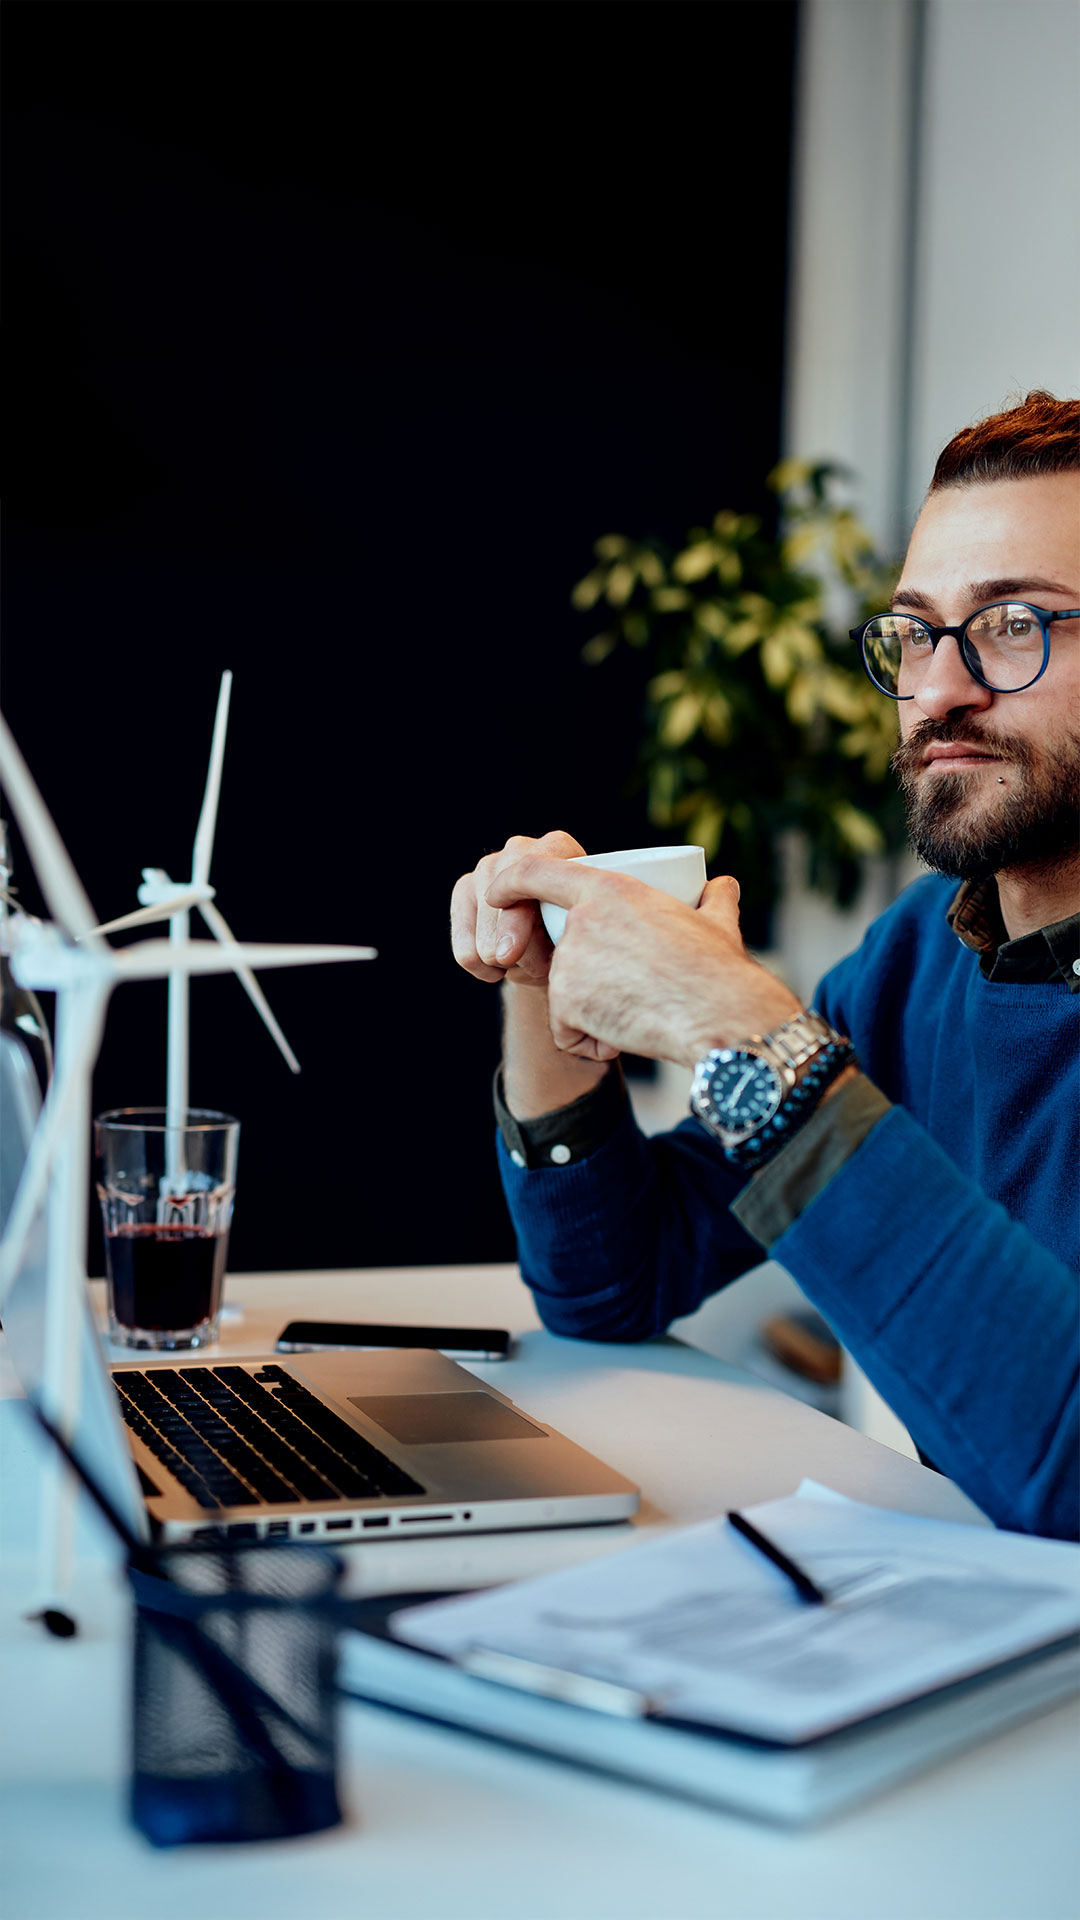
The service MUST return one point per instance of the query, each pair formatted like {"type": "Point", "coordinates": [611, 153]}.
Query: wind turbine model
{"type": "Point", "coordinates": [173, 900]}
{"type": "Point", "coordinates": [71, 958]}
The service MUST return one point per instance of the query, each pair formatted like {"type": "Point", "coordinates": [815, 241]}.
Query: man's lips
{"type": "Point", "coordinates": [952, 754]}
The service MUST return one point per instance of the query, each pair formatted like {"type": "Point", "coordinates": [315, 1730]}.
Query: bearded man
{"type": "Point", "coordinates": [907, 1149]}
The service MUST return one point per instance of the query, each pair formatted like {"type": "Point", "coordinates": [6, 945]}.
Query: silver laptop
{"type": "Point", "coordinates": [321, 1446]}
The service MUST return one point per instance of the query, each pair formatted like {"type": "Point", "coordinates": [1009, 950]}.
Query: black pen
{"type": "Point", "coordinates": [806, 1588]}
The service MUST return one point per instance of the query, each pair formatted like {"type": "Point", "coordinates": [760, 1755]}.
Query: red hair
{"type": "Point", "coordinates": [1037, 435]}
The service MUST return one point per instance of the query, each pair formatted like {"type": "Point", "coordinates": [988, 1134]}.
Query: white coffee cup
{"type": "Point", "coordinates": [678, 871]}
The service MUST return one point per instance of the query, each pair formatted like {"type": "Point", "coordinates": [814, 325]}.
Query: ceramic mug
{"type": "Point", "coordinates": [678, 871]}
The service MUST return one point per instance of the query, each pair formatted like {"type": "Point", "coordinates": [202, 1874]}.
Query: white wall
{"type": "Point", "coordinates": [846, 333]}
{"type": "Point", "coordinates": [936, 244]}
{"type": "Point", "coordinates": [998, 235]}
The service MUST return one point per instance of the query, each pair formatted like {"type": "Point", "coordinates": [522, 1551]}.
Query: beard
{"type": "Point", "coordinates": [1034, 821]}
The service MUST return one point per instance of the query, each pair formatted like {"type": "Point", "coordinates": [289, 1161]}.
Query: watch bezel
{"type": "Point", "coordinates": [705, 1105]}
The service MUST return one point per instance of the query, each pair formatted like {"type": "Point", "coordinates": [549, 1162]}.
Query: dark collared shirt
{"type": "Point", "coordinates": [1050, 953]}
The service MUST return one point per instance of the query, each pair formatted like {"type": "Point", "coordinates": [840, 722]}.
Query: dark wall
{"type": "Point", "coordinates": [336, 334]}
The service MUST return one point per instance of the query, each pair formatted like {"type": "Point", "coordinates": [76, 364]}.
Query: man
{"type": "Point", "coordinates": [921, 1189]}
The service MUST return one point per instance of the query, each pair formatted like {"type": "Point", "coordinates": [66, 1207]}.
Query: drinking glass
{"type": "Point", "coordinates": [166, 1183]}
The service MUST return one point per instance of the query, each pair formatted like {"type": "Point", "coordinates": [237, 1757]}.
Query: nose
{"type": "Point", "coordinates": [947, 686]}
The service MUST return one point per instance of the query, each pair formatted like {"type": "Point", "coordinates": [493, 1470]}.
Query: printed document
{"type": "Point", "coordinates": [709, 1631]}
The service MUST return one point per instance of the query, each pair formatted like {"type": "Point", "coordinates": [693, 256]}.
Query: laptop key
{"type": "Point", "coordinates": [381, 1473]}
{"type": "Point", "coordinates": [337, 1452]}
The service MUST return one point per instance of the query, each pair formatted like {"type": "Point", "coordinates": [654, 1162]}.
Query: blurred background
{"type": "Point", "coordinates": [337, 336]}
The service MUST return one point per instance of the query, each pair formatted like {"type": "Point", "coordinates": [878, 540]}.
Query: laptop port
{"type": "Point", "coordinates": [276, 1529]}
{"type": "Point", "coordinates": [242, 1530]}
{"type": "Point", "coordinates": [383, 1520]}
{"type": "Point", "coordinates": [411, 1519]}
{"type": "Point", "coordinates": [338, 1526]}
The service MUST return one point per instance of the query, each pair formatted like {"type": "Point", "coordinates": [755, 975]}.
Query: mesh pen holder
{"type": "Point", "coordinates": [235, 1733]}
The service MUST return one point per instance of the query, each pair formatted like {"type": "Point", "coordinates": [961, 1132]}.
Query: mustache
{"type": "Point", "coordinates": [908, 756]}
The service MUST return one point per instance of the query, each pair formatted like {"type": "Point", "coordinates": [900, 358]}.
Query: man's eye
{"type": "Point", "coordinates": [1019, 628]}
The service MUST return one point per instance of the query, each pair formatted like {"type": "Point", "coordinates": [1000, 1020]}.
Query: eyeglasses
{"type": "Point", "coordinates": [1004, 647]}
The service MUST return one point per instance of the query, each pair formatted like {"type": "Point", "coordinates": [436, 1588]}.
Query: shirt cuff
{"type": "Point", "coordinates": [785, 1186]}
{"type": "Point", "coordinates": [566, 1133]}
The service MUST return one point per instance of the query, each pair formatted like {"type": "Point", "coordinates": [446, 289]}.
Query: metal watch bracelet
{"type": "Point", "coordinates": [805, 1037]}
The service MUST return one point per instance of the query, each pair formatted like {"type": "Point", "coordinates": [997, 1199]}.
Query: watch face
{"type": "Point", "coordinates": [745, 1091]}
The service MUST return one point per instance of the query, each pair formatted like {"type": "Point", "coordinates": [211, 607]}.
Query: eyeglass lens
{"type": "Point", "coordinates": [1003, 645]}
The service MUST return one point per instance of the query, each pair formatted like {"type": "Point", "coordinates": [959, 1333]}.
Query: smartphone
{"type": "Point", "coordinates": [457, 1343]}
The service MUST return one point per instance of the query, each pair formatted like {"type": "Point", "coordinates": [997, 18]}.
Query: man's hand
{"type": "Point", "coordinates": [498, 944]}
{"type": "Point", "coordinates": [636, 970]}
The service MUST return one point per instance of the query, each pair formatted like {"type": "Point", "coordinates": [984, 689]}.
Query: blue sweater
{"type": "Point", "coordinates": [944, 1252]}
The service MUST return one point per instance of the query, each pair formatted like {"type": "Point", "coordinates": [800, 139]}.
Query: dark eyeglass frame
{"type": "Point", "coordinates": [959, 634]}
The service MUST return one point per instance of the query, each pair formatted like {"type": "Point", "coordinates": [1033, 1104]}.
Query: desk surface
{"type": "Point", "coordinates": [442, 1826]}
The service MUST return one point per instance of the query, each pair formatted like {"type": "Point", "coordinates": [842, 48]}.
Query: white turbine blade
{"type": "Point", "coordinates": [204, 833]}
{"type": "Point", "coordinates": [218, 926]}
{"type": "Point", "coordinates": [57, 878]}
{"type": "Point", "coordinates": [145, 916]}
{"type": "Point", "coordinates": [70, 1082]}
{"type": "Point", "coordinates": [155, 959]}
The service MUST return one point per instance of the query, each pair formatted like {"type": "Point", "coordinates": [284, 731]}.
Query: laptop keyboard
{"type": "Point", "coordinates": [236, 1439]}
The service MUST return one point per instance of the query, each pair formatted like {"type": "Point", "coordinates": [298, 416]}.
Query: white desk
{"type": "Point", "coordinates": [442, 1826]}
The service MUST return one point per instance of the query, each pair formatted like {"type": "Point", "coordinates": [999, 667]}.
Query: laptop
{"type": "Point", "coordinates": [327, 1447]}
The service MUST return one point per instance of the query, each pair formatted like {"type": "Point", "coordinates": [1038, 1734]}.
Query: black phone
{"type": "Point", "coordinates": [457, 1343]}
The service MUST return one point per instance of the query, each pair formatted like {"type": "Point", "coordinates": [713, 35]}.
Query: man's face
{"type": "Point", "coordinates": [1009, 796]}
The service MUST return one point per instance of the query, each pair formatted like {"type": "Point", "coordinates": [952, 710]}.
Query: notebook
{"type": "Point", "coordinates": [690, 1664]}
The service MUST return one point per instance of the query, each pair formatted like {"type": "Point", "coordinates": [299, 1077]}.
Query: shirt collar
{"type": "Point", "coordinates": [1050, 953]}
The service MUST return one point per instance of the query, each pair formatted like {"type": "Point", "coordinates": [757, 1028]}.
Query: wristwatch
{"type": "Point", "coordinates": [753, 1097]}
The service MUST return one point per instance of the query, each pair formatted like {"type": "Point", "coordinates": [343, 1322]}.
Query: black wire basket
{"type": "Point", "coordinates": [234, 1706]}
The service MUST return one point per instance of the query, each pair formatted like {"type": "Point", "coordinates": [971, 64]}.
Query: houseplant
{"type": "Point", "coordinates": [759, 719]}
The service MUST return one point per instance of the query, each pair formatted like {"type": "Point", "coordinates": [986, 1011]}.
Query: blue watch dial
{"type": "Point", "coordinates": [744, 1092]}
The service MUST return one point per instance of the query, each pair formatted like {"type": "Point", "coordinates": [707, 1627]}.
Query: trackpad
{"type": "Point", "coordinates": [427, 1419]}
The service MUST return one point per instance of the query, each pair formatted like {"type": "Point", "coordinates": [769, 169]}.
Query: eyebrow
{"type": "Point", "coordinates": [980, 593]}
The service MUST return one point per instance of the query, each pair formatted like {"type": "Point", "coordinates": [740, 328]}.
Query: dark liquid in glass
{"type": "Point", "coordinates": [165, 1278]}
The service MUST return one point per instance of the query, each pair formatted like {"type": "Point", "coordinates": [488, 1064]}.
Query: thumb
{"type": "Point", "coordinates": [720, 903]}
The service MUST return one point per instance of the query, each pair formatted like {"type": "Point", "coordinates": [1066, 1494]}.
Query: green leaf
{"type": "Point", "coordinates": [841, 694]}
{"type": "Point", "coordinates": [588, 591]}
{"type": "Point", "coordinates": [788, 474]}
{"type": "Point", "coordinates": [681, 719]}
{"type": "Point", "coordinates": [856, 828]}
{"type": "Point", "coordinates": [599, 647]}
{"type": "Point", "coordinates": [800, 544]}
{"type": "Point", "coordinates": [611, 546]}
{"type": "Point", "coordinates": [666, 685]}
{"type": "Point", "coordinates": [620, 583]}
{"type": "Point", "coordinates": [801, 642]}
{"type": "Point", "coordinates": [801, 699]}
{"type": "Point", "coordinates": [777, 660]}
{"type": "Point", "coordinates": [695, 562]}
{"type": "Point", "coordinates": [717, 719]}
{"type": "Point", "coordinates": [741, 635]}
{"type": "Point", "coordinates": [670, 599]}
{"type": "Point", "coordinates": [705, 827]}
{"type": "Point", "coordinates": [712, 618]}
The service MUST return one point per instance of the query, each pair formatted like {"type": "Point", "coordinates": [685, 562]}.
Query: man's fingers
{"type": "Point", "coordinates": [520, 939]}
{"type": "Point", "coordinates": [720, 902]}
{"type": "Point", "coordinates": [538, 877]}
{"type": "Point", "coordinates": [463, 931]}
{"type": "Point", "coordinates": [562, 845]}
{"type": "Point", "coordinates": [511, 935]}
